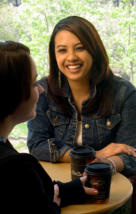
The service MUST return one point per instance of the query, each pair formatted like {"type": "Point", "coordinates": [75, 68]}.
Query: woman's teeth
{"type": "Point", "coordinates": [73, 66]}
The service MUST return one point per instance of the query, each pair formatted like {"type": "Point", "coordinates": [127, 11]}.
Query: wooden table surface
{"type": "Point", "coordinates": [121, 190]}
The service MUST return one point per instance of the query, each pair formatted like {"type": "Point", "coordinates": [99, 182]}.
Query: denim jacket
{"type": "Point", "coordinates": [51, 133]}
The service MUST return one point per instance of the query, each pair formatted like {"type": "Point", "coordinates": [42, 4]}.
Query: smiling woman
{"type": "Point", "coordinates": [84, 102]}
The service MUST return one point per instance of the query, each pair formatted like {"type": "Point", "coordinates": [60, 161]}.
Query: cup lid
{"type": "Point", "coordinates": [99, 167]}
{"type": "Point", "coordinates": [83, 151]}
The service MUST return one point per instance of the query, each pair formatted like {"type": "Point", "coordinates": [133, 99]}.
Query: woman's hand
{"type": "Point", "coordinates": [65, 158]}
{"type": "Point", "coordinates": [88, 191]}
{"type": "Point", "coordinates": [56, 198]}
{"type": "Point", "coordinates": [114, 149]}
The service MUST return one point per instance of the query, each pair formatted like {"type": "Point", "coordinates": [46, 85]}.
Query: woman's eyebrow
{"type": "Point", "coordinates": [60, 46]}
{"type": "Point", "coordinates": [63, 46]}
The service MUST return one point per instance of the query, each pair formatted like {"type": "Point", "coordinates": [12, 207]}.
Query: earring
{"type": "Point", "coordinates": [59, 78]}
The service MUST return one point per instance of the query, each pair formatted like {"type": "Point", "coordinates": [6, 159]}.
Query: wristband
{"type": "Point", "coordinates": [113, 165]}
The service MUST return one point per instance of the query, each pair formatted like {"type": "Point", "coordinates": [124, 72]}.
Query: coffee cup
{"type": "Point", "coordinates": [99, 177]}
{"type": "Point", "coordinates": [80, 157]}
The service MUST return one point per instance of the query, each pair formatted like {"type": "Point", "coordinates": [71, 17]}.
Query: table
{"type": "Point", "coordinates": [121, 190]}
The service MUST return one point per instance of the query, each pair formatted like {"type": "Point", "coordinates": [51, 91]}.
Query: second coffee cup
{"type": "Point", "coordinates": [80, 157]}
{"type": "Point", "coordinates": [99, 177]}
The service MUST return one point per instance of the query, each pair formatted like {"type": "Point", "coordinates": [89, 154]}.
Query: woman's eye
{"type": "Point", "coordinates": [80, 48]}
{"type": "Point", "coordinates": [62, 50]}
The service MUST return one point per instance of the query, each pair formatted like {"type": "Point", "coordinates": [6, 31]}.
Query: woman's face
{"type": "Point", "coordinates": [27, 109]}
{"type": "Point", "coordinates": [73, 60]}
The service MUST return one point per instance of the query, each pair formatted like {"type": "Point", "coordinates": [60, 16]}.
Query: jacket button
{"type": "Point", "coordinates": [87, 126]}
{"type": "Point", "coordinates": [108, 123]}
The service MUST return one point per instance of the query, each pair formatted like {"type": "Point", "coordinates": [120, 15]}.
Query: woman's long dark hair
{"type": "Point", "coordinates": [15, 76]}
{"type": "Point", "coordinates": [101, 74]}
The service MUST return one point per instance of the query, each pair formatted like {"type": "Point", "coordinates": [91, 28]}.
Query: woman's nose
{"type": "Point", "coordinates": [71, 56]}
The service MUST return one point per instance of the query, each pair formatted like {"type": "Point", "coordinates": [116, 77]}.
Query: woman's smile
{"type": "Point", "coordinates": [74, 68]}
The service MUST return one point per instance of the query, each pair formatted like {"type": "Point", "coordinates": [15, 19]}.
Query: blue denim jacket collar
{"type": "Point", "coordinates": [67, 91]}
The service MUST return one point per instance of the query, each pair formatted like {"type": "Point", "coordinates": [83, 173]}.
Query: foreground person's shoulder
{"type": "Point", "coordinates": [18, 159]}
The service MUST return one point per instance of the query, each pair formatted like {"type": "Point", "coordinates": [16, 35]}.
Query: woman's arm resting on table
{"type": "Point", "coordinates": [116, 162]}
{"type": "Point", "coordinates": [110, 152]}
{"type": "Point", "coordinates": [114, 149]}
